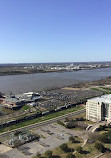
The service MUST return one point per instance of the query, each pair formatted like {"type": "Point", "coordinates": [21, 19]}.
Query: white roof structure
{"type": "Point", "coordinates": [103, 98]}
{"type": "Point", "coordinates": [28, 93]}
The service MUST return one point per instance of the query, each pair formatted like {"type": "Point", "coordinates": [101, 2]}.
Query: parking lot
{"type": "Point", "coordinates": [60, 97]}
{"type": "Point", "coordinates": [52, 136]}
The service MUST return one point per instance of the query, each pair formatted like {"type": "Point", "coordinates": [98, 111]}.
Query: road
{"type": "Point", "coordinates": [43, 122]}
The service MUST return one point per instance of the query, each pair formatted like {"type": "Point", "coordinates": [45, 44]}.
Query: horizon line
{"type": "Point", "coordinates": [54, 62]}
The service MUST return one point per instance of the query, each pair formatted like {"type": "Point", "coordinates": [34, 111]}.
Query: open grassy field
{"type": "Point", "coordinates": [9, 111]}
{"type": "Point", "coordinates": [89, 151]}
{"type": "Point", "coordinates": [105, 90]}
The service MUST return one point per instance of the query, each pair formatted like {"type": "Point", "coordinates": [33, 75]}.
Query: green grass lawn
{"type": "Point", "coordinates": [106, 88]}
{"type": "Point", "coordinates": [103, 89]}
{"type": "Point", "coordinates": [40, 119]}
{"type": "Point", "coordinates": [58, 152]}
{"type": "Point", "coordinates": [9, 111]}
{"type": "Point", "coordinates": [96, 89]}
{"type": "Point", "coordinates": [79, 115]}
{"type": "Point", "coordinates": [89, 151]}
{"type": "Point", "coordinates": [88, 122]}
{"type": "Point", "coordinates": [25, 107]}
{"type": "Point", "coordinates": [104, 131]}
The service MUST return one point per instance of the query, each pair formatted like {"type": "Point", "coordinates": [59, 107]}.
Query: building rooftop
{"type": "Point", "coordinates": [103, 98]}
{"type": "Point", "coordinates": [25, 97]}
{"type": "Point", "coordinates": [14, 100]}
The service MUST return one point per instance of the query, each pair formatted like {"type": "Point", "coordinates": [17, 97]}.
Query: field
{"type": "Point", "coordinates": [71, 146]}
{"type": "Point", "coordinates": [88, 151]}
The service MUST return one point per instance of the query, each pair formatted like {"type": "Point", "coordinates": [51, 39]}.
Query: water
{"type": "Point", "coordinates": [40, 81]}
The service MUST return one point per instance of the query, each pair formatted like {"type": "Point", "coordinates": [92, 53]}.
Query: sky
{"type": "Point", "coordinates": [38, 31]}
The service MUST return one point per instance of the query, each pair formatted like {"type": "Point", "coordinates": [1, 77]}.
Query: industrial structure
{"type": "Point", "coordinates": [99, 108]}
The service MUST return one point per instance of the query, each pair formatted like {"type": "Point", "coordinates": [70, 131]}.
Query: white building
{"type": "Point", "coordinates": [99, 108]}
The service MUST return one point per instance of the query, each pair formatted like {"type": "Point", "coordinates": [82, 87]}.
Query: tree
{"type": "Point", "coordinates": [101, 128]}
{"type": "Point", "coordinates": [17, 143]}
{"type": "Point", "coordinates": [64, 147]}
{"type": "Point", "coordinates": [80, 119]}
{"type": "Point", "coordinates": [71, 124]}
{"type": "Point", "coordinates": [72, 139]}
{"type": "Point", "coordinates": [17, 133]}
{"type": "Point", "coordinates": [104, 138]}
{"type": "Point", "coordinates": [79, 149]}
{"type": "Point", "coordinates": [48, 154]}
{"type": "Point", "coordinates": [99, 147]}
{"type": "Point", "coordinates": [109, 125]}
{"type": "Point", "coordinates": [70, 156]}
{"type": "Point", "coordinates": [67, 119]}
{"type": "Point", "coordinates": [38, 155]}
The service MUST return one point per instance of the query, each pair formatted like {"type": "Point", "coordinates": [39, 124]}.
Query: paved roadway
{"type": "Point", "coordinates": [43, 122]}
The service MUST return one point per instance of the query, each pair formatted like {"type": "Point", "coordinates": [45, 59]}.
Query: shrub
{"type": "Point", "coordinates": [101, 128]}
{"type": "Point", "coordinates": [100, 147]}
{"type": "Point", "coordinates": [80, 119]}
{"type": "Point", "coordinates": [61, 123]}
{"type": "Point", "coordinates": [104, 138]}
{"type": "Point", "coordinates": [71, 124]}
{"type": "Point", "coordinates": [48, 154]}
{"type": "Point", "coordinates": [109, 125]}
{"type": "Point", "coordinates": [38, 155]}
{"type": "Point", "coordinates": [72, 139]}
{"type": "Point", "coordinates": [64, 147]}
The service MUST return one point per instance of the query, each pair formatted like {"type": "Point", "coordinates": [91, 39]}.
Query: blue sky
{"type": "Point", "coordinates": [55, 31]}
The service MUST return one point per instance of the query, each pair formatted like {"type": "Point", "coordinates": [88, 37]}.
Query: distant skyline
{"type": "Point", "coordinates": [44, 31]}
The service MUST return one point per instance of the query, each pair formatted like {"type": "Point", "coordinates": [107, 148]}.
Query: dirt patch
{"type": "Point", "coordinates": [109, 86]}
{"type": "Point", "coordinates": [4, 148]}
{"type": "Point", "coordinates": [70, 88]}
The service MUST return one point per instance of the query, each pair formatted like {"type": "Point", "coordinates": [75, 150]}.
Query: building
{"type": "Point", "coordinates": [12, 102]}
{"type": "Point", "coordinates": [16, 101]}
{"type": "Point", "coordinates": [19, 138]}
{"type": "Point", "coordinates": [99, 108]}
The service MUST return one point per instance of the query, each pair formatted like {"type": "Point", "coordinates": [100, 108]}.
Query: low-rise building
{"type": "Point", "coordinates": [15, 101]}
{"type": "Point", "coordinates": [99, 108]}
{"type": "Point", "coordinates": [12, 103]}
{"type": "Point", "coordinates": [19, 138]}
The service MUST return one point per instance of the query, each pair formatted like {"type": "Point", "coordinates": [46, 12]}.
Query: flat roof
{"type": "Point", "coordinates": [14, 100]}
{"type": "Point", "coordinates": [104, 98]}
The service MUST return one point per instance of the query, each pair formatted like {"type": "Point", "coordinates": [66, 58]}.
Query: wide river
{"type": "Point", "coordinates": [40, 81]}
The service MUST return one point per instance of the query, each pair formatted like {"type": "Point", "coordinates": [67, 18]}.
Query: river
{"type": "Point", "coordinates": [40, 81]}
